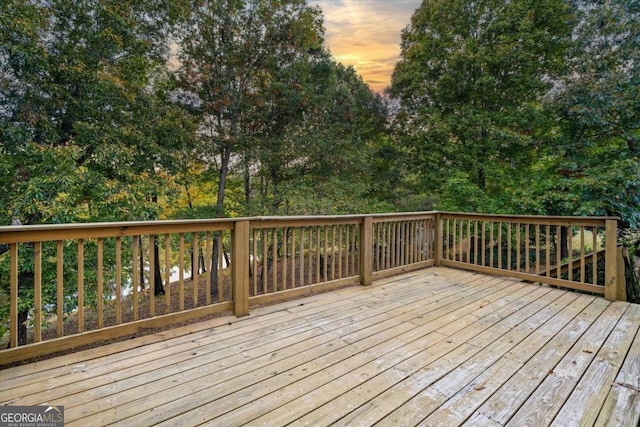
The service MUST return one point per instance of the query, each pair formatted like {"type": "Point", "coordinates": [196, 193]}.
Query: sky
{"type": "Point", "coordinates": [366, 34]}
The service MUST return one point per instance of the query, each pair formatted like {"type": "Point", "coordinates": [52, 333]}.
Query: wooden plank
{"type": "Point", "coordinates": [527, 248]}
{"type": "Point", "coordinates": [264, 275]}
{"type": "Point", "coordinates": [254, 260]}
{"type": "Point", "coordinates": [531, 219]}
{"type": "Point", "coordinates": [107, 333]}
{"type": "Point", "coordinates": [481, 420]}
{"type": "Point", "coordinates": [585, 403]}
{"type": "Point", "coordinates": [582, 260]}
{"type": "Point", "coordinates": [482, 375]}
{"type": "Point", "coordinates": [594, 250]}
{"type": "Point", "coordinates": [622, 405]}
{"type": "Point", "coordinates": [621, 287]}
{"type": "Point", "coordinates": [214, 398]}
{"type": "Point", "coordinates": [233, 337]}
{"type": "Point", "coordinates": [52, 232]}
{"type": "Point", "coordinates": [544, 403]}
{"type": "Point", "coordinates": [359, 396]}
{"type": "Point", "coordinates": [329, 389]}
{"type": "Point", "coordinates": [451, 341]}
{"type": "Point", "coordinates": [366, 255]}
{"type": "Point", "coordinates": [301, 291]}
{"type": "Point", "coordinates": [377, 407]}
{"type": "Point", "coordinates": [537, 248]}
{"type": "Point", "coordinates": [415, 409]}
{"type": "Point", "coordinates": [502, 404]}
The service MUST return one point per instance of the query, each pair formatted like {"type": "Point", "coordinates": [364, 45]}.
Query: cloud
{"type": "Point", "coordinates": [366, 34]}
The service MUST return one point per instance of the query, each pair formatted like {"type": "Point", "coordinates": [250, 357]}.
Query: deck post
{"type": "Point", "coordinates": [611, 264]}
{"type": "Point", "coordinates": [439, 237]}
{"type": "Point", "coordinates": [239, 268]}
{"type": "Point", "coordinates": [366, 251]}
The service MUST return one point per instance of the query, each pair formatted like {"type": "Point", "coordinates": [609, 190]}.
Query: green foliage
{"type": "Point", "coordinates": [469, 82]}
{"type": "Point", "coordinates": [87, 134]}
{"type": "Point", "coordinates": [82, 131]}
{"type": "Point", "coordinates": [593, 165]}
{"type": "Point", "coordinates": [242, 66]}
{"type": "Point", "coordinates": [275, 112]}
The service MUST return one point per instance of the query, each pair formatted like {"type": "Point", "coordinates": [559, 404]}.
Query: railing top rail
{"type": "Point", "coordinates": [50, 232]}
{"type": "Point", "coordinates": [542, 219]}
{"type": "Point", "coordinates": [341, 217]}
{"type": "Point", "coordinates": [186, 223]}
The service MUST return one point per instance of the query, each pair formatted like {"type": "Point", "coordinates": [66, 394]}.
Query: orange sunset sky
{"type": "Point", "coordinates": [366, 34]}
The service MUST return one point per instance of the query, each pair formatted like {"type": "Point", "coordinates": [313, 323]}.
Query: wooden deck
{"type": "Point", "coordinates": [438, 347]}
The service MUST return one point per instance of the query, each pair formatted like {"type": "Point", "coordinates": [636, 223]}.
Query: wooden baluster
{"type": "Point", "coordinates": [570, 252]}
{"type": "Point", "coordinates": [254, 261]}
{"type": "Point", "coordinates": [285, 252]}
{"type": "Point", "coordinates": [80, 285]}
{"type": "Point", "coordinates": [37, 285]}
{"type": "Point", "coordinates": [167, 272]}
{"type": "Point", "coordinates": [558, 251]}
{"type": "Point", "coordinates": [118, 280]}
{"type": "Point", "coordinates": [60, 287]}
{"type": "Point", "coordinates": [181, 272]}
{"type": "Point", "coordinates": [100, 282]}
{"type": "Point", "coordinates": [151, 291]}
{"type": "Point", "coordinates": [195, 249]}
{"type": "Point", "coordinates": [582, 261]}
{"type": "Point", "coordinates": [508, 246]}
{"type": "Point", "coordinates": [13, 295]}
{"type": "Point", "coordinates": [136, 276]}
{"type": "Point", "coordinates": [274, 261]}
{"type": "Point", "coordinates": [483, 259]}
{"type": "Point", "coordinates": [537, 248]}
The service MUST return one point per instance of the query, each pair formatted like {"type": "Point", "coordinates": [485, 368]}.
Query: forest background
{"type": "Point", "coordinates": [140, 110]}
{"type": "Point", "coordinates": [121, 110]}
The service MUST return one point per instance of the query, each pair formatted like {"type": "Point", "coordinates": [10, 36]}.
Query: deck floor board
{"type": "Point", "coordinates": [433, 347]}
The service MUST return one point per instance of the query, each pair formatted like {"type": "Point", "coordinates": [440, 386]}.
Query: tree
{"type": "Point", "coordinates": [592, 166]}
{"type": "Point", "coordinates": [319, 162]}
{"type": "Point", "coordinates": [238, 60]}
{"type": "Point", "coordinates": [84, 137]}
{"type": "Point", "coordinates": [469, 83]}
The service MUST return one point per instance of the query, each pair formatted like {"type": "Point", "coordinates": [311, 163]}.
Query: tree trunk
{"type": "Point", "coordinates": [158, 287]}
{"type": "Point", "coordinates": [247, 183]}
{"type": "Point", "coordinates": [23, 315]}
{"type": "Point", "coordinates": [215, 256]}
{"type": "Point", "coordinates": [564, 246]}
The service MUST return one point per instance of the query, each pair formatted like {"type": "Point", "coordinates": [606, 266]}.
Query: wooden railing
{"type": "Point", "coordinates": [71, 285]}
{"type": "Point", "coordinates": [560, 251]}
